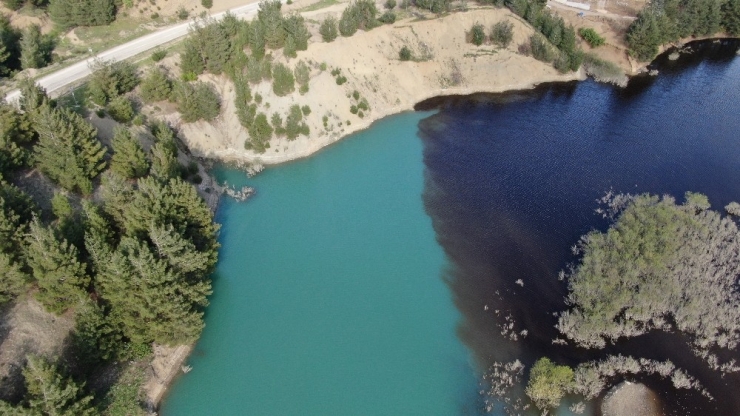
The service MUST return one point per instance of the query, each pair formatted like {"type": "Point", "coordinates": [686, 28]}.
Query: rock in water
{"type": "Point", "coordinates": [631, 399]}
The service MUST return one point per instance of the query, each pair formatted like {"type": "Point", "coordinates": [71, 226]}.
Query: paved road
{"type": "Point", "coordinates": [56, 81]}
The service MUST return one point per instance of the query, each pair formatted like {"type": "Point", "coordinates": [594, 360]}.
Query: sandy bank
{"type": "Point", "coordinates": [445, 65]}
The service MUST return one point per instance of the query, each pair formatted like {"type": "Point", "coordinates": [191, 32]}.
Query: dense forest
{"type": "Point", "coordinates": [124, 243]}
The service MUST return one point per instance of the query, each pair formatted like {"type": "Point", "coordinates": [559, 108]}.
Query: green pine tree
{"type": "Point", "coordinates": [157, 86]}
{"type": "Point", "coordinates": [60, 276]}
{"type": "Point", "coordinates": [15, 131]}
{"type": "Point", "coordinates": [32, 55]}
{"type": "Point", "coordinates": [731, 17]}
{"type": "Point", "coordinates": [52, 394]}
{"type": "Point", "coordinates": [129, 159]}
{"type": "Point", "coordinates": [68, 151]}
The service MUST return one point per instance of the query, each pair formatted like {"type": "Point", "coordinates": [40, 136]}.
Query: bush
{"type": "Point", "coordinates": [306, 110]}
{"type": "Point", "coordinates": [405, 54]}
{"type": "Point", "coordinates": [388, 18]}
{"type": "Point", "coordinates": [197, 101]}
{"type": "Point", "coordinates": [502, 33]}
{"type": "Point", "coordinates": [328, 29]}
{"type": "Point", "coordinates": [155, 16]}
{"type": "Point", "coordinates": [477, 34]}
{"type": "Point", "coordinates": [390, 4]}
{"type": "Point", "coordinates": [182, 13]}
{"type": "Point", "coordinates": [206, 3]}
{"type": "Point", "coordinates": [121, 109]}
{"type": "Point", "coordinates": [283, 82]}
{"type": "Point", "coordinates": [158, 55]}
{"type": "Point", "coordinates": [302, 76]}
{"type": "Point", "coordinates": [341, 79]}
{"type": "Point", "coordinates": [548, 383]}
{"type": "Point", "coordinates": [590, 36]}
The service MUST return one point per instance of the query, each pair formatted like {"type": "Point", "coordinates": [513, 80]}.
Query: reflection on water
{"type": "Point", "coordinates": [512, 180]}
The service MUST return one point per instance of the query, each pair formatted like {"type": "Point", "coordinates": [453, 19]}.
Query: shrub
{"type": "Point", "coordinates": [590, 36]}
{"type": "Point", "coordinates": [548, 383]}
{"type": "Point", "coordinates": [121, 109]}
{"type": "Point", "coordinates": [283, 82]}
{"type": "Point", "coordinates": [477, 34]}
{"type": "Point", "coordinates": [155, 16]}
{"type": "Point", "coordinates": [390, 4]}
{"type": "Point", "coordinates": [353, 109]}
{"type": "Point", "coordinates": [388, 18]}
{"type": "Point", "coordinates": [306, 110]}
{"type": "Point", "coordinates": [328, 29]}
{"type": "Point", "coordinates": [206, 3]}
{"type": "Point", "coordinates": [356, 95]}
{"type": "Point", "coordinates": [405, 53]}
{"type": "Point", "coordinates": [302, 76]}
{"type": "Point", "coordinates": [502, 33]}
{"type": "Point", "coordinates": [158, 55]}
{"type": "Point", "coordinates": [182, 13]}
{"type": "Point", "coordinates": [341, 79]}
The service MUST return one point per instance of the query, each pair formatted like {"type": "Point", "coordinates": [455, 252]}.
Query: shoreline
{"type": "Point", "coordinates": [230, 156]}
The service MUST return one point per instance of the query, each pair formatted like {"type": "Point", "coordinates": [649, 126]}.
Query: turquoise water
{"type": "Point", "coordinates": [328, 297]}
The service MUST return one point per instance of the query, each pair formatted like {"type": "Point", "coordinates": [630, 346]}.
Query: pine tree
{"type": "Point", "coordinates": [271, 19]}
{"type": "Point", "coordinates": [68, 151]}
{"type": "Point", "coordinates": [157, 86]}
{"type": "Point", "coordinates": [191, 63]}
{"type": "Point", "coordinates": [197, 101]}
{"type": "Point", "coordinates": [164, 164]}
{"type": "Point", "coordinates": [111, 79]}
{"type": "Point", "coordinates": [32, 55]}
{"type": "Point", "coordinates": [70, 13]}
{"type": "Point", "coordinates": [295, 27]}
{"type": "Point", "coordinates": [16, 209]}
{"type": "Point", "coordinates": [33, 96]}
{"type": "Point", "coordinates": [13, 280]}
{"type": "Point", "coordinates": [116, 193]}
{"type": "Point", "coordinates": [260, 133]}
{"type": "Point", "coordinates": [328, 29]}
{"type": "Point", "coordinates": [52, 394]}
{"type": "Point", "coordinates": [213, 45]}
{"type": "Point", "coordinates": [99, 234]}
{"type": "Point", "coordinates": [644, 36]}
{"type": "Point", "coordinates": [56, 269]}
{"type": "Point", "coordinates": [15, 131]}
{"type": "Point", "coordinates": [95, 338]}
{"type": "Point", "coordinates": [152, 302]}
{"type": "Point", "coordinates": [129, 159]}
{"type": "Point", "coordinates": [731, 17]}
{"type": "Point", "coordinates": [9, 48]}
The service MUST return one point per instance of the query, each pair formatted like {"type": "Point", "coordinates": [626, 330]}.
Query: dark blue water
{"type": "Point", "coordinates": [512, 182]}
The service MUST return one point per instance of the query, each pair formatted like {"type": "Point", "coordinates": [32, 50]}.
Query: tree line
{"type": "Point", "coordinates": [133, 263]}
{"type": "Point", "coordinates": [668, 21]}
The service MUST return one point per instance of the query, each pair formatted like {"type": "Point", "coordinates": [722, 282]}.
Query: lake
{"type": "Point", "coordinates": [374, 278]}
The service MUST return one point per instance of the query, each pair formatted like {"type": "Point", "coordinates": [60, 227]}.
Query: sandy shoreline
{"type": "Point", "coordinates": [446, 65]}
